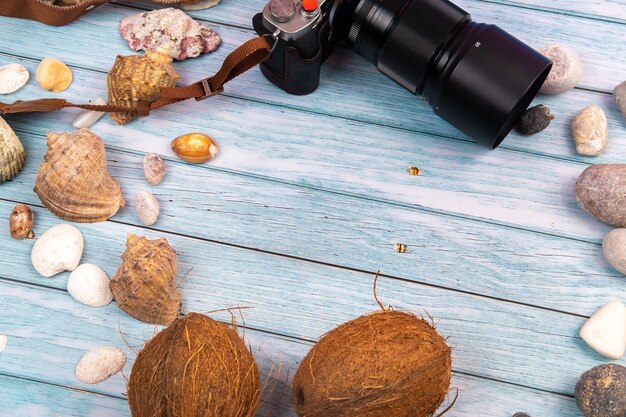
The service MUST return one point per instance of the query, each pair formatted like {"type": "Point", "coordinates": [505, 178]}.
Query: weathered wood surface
{"type": "Point", "coordinates": [304, 204]}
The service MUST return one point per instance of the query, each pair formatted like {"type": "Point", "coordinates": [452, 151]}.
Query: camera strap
{"type": "Point", "coordinates": [245, 57]}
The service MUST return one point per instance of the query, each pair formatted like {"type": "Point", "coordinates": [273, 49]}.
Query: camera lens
{"type": "Point", "coordinates": [475, 76]}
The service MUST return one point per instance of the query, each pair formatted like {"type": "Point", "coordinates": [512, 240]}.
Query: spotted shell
{"type": "Point", "coordinates": [144, 286]}
{"type": "Point", "coordinates": [12, 154]}
{"type": "Point", "coordinates": [53, 75]}
{"type": "Point", "coordinates": [73, 181]}
{"type": "Point", "coordinates": [136, 78]}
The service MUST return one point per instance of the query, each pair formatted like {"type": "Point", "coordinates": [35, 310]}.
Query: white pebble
{"type": "Point", "coordinates": [12, 78]}
{"type": "Point", "coordinates": [605, 331]}
{"type": "Point", "coordinates": [3, 342]}
{"type": "Point", "coordinates": [87, 118]}
{"type": "Point", "coordinates": [89, 285]}
{"type": "Point", "coordinates": [147, 207]}
{"type": "Point", "coordinates": [614, 249]}
{"type": "Point", "coordinates": [99, 364]}
{"type": "Point", "coordinates": [619, 93]}
{"type": "Point", "coordinates": [590, 131]}
{"type": "Point", "coordinates": [567, 69]}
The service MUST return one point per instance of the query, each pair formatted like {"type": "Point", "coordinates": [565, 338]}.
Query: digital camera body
{"type": "Point", "coordinates": [475, 76]}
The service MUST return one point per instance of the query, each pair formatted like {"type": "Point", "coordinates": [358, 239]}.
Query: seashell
{"type": "Point", "coordinates": [12, 78]}
{"type": "Point", "coordinates": [58, 249]}
{"type": "Point", "coordinates": [12, 154]}
{"type": "Point", "coordinates": [134, 79]}
{"type": "Point", "coordinates": [73, 182]}
{"type": "Point", "coordinates": [3, 342]}
{"type": "Point", "coordinates": [100, 364]}
{"type": "Point", "coordinates": [200, 5]}
{"type": "Point", "coordinates": [147, 207]}
{"type": "Point", "coordinates": [153, 168]}
{"type": "Point", "coordinates": [144, 286]}
{"type": "Point", "coordinates": [89, 285]}
{"type": "Point", "coordinates": [195, 148]}
{"type": "Point", "coordinates": [87, 118]}
{"type": "Point", "coordinates": [53, 75]}
{"type": "Point", "coordinates": [168, 28]}
{"type": "Point", "coordinates": [21, 222]}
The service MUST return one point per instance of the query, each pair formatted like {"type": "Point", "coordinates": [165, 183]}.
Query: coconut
{"type": "Point", "coordinates": [195, 367]}
{"type": "Point", "coordinates": [387, 363]}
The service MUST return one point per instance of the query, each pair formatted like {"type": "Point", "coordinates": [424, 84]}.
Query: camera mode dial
{"type": "Point", "coordinates": [282, 10]}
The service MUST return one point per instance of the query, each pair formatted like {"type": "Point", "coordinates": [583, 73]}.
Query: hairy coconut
{"type": "Point", "coordinates": [195, 367]}
{"type": "Point", "coordinates": [387, 363]}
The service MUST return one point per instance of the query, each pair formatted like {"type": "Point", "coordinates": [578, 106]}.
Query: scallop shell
{"type": "Point", "coordinates": [137, 78]}
{"type": "Point", "coordinates": [144, 286]}
{"type": "Point", "coordinates": [12, 78]}
{"type": "Point", "coordinates": [73, 182]}
{"type": "Point", "coordinates": [53, 75]}
{"type": "Point", "coordinates": [12, 153]}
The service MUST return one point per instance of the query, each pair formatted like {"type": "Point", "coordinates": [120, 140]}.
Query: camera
{"type": "Point", "coordinates": [475, 76]}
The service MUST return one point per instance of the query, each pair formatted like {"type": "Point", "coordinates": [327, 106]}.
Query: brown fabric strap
{"type": "Point", "coordinates": [248, 55]}
{"type": "Point", "coordinates": [54, 15]}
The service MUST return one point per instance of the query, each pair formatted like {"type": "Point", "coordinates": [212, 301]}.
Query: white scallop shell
{"type": "Point", "coordinates": [12, 78]}
{"type": "Point", "coordinates": [89, 285]}
{"type": "Point", "coordinates": [99, 364]}
{"type": "Point", "coordinates": [58, 249]}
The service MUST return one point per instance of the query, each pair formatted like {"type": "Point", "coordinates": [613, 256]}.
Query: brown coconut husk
{"type": "Point", "coordinates": [195, 367]}
{"type": "Point", "coordinates": [388, 363]}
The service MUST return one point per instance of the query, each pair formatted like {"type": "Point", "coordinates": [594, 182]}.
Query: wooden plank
{"type": "Point", "coordinates": [510, 264]}
{"type": "Point", "coordinates": [59, 330]}
{"type": "Point", "coordinates": [612, 10]}
{"type": "Point", "coordinates": [493, 339]}
{"type": "Point", "coordinates": [353, 158]}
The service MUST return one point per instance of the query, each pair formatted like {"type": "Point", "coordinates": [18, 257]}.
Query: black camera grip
{"type": "Point", "coordinates": [295, 67]}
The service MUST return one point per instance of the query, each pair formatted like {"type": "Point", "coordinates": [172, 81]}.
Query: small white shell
{"type": "Point", "coordinates": [3, 342]}
{"type": "Point", "coordinates": [147, 207]}
{"type": "Point", "coordinates": [87, 118]}
{"type": "Point", "coordinates": [99, 364]}
{"type": "Point", "coordinates": [58, 249]}
{"type": "Point", "coordinates": [12, 78]}
{"type": "Point", "coordinates": [89, 285]}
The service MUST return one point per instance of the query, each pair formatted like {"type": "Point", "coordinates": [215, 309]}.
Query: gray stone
{"type": "Point", "coordinates": [567, 69]}
{"type": "Point", "coordinates": [590, 131]}
{"type": "Point", "coordinates": [601, 391]}
{"type": "Point", "coordinates": [601, 192]}
{"type": "Point", "coordinates": [619, 93]}
{"type": "Point", "coordinates": [614, 249]}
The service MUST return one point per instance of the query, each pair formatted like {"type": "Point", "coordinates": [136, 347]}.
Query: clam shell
{"type": "Point", "coordinates": [54, 75]}
{"type": "Point", "coordinates": [73, 182]}
{"type": "Point", "coordinates": [137, 78]}
{"type": "Point", "coordinates": [144, 286]}
{"type": "Point", "coordinates": [12, 78]}
{"type": "Point", "coordinates": [200, 5]}
{"type": "Point", "coordinates": [12, 153]}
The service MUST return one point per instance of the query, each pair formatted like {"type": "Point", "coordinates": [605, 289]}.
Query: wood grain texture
{"type": "Point", "coordinates": [613, 10]}
{"type": "Point", "coordinates": [493, 339]}
{"type": "Point", "coordinates": [336, 229]}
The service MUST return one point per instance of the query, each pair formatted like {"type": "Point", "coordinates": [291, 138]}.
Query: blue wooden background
{"type": "Point", "coordinates": [305, 202]}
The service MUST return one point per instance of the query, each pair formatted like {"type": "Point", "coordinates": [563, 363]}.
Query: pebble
{"type": "Point", "coordinates": [100, 364]}
{"type": "Point", "coordinates": [605, 331]}
{"type": "Point", "coordinates": [521, 415]}
{"type": "Point", "coordinates": [619, 93]}
{"type": "Point", "coordinates": [600, 192]}
{"type": "Point", "coordinates": [153, 168]}
{"type": "Point", "coordinates": [201, 5]}
{"type": "Point", "coordinates": [614, 249]}
{"type": "Point", "coordinates": [601, 391]}
{"type": "Point", "coordinates": [147, 207]}
{"type": "Point", "coordinates": [3, 342]}
{"type": "Point", "coordinates": [534, 120]}
{"type": "Point", "coordinates": [590, 130]}
{"type": "Point", "coordinates": [567, 69]}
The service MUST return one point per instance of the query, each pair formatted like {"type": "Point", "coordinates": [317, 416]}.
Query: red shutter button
{"type": "Point", "coordinates": [309, 5]}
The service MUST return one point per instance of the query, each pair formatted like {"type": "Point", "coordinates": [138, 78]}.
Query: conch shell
{"type": "Point", "coordinates": [73, 182]}
{"type": "Point", "coordinates": [135, 78]}
{"type": "Point", "coordinates": [12, 153]}
{"type": "Point", "coordinates": [144, 286]}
